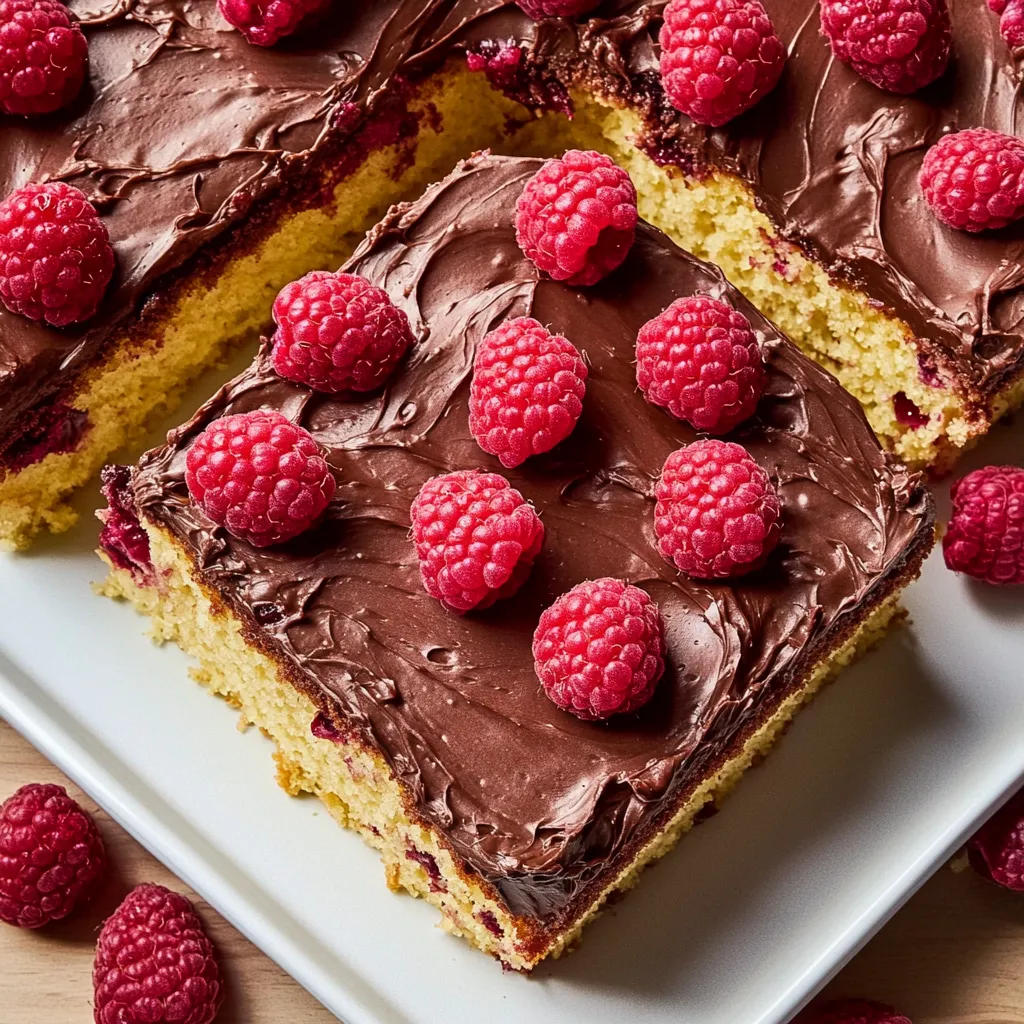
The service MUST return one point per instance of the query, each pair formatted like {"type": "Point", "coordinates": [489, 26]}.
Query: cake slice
{"type": "Point", "coordinates": [427, 731]}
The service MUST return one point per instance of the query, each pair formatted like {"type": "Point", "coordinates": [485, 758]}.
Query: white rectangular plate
{"type": "Point", "coordinates": [873, 788]}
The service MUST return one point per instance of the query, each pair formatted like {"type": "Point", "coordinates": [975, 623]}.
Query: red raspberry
{"type": "Point", "coordinates": [598, 650]}
{"type": "Point", "coordinates": [996, 850]}
{"type": "Point", "coordinates": [974, 179]}
{"type": "Point", "coordinates": [717, 513]}
{"type": "Point", "coordinates": [51, 856]}
{"type": "Point", "coordinates": [985, 538]}
{"type": "Point", "coordinates": [851, 1011]}
{"type": "Point", "coordinates": [718, 57]}
{"type": "Point", "coordinates": [155, 963]}
{"type": "Point", "coordinates": [260, 476]}
{"type": "Point", "coordinates": [476, 538]}
{"type": "Point", "coordinates": [538, 9]}
{"type": "Point", "coordinates": [576, 219]}
{"type": "Point", "coordinates": [265, 22]}
{"type": "Point", "coordinates": [338, 332]}
{"type": "Point", "coordinates": [700, 360]}
{"type": "Point", "coordinates": [527, 390]}
{"type": "Point", "coordinates": [897, 45]}
{"type": "Point", "coordinates": [55, 254]}
{"type": "Point", "coordinates": [1011, 24]}
{"type": "Point", "coordinates": [43, 56]}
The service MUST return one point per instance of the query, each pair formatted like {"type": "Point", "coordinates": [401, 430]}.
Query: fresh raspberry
{"type": "Point", "coordinates": [898, 45]}
{"type": "Point", "coordinates": [996, 850]}
{"type": "Point", "coordinates": [700, 360]}
{"type": "Point", "coordinates": [598, 650]}
{"type": "Point", "coordinates": [538, 9]}
{"type": "Point", "coordinates": [1011, 24]}
{"type": "Point", "coordinates": [264, 23]}
{"type": "Point", "coordinates": [527, 390]}
{"type": "Point", "coordinates": [718, 57]}
{"type": "Point", "coordinates": [51, 856]}
{"type": "Point", "coordinates": [55, 254]}
{"type": "Point", "coordinates": [576, 219]}
{"type": "Point", "coordinates": [985, 538]}
{"type": "Point", "coordinates": [155, 963]}
{"type": "Point", "coordinates": [851, 1011]}
{"type": "Point", "coordinates": [717, 513]}
{"type": "Point", "coordinates": [974, 179]}
{"type": "Point", "coordinates": [260, 476]}
{"type": "Point", "coordinates": [43, 56]}
{"type": "Point", "coordinates": [476, 538]}
{"type": "Point", "coordinates": [338, 332]}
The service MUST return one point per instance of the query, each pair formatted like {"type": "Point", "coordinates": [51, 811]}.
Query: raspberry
{"type": "Point", "coordinates": [259, 476]}
{"type": "Point", "coordinates": [43, 56]}
{"type": "Point", "coordinates": [996, 850]}
{"type": "Point", "coordinates": [1011, 24]}
{"type": "Point", "coordinates": [985, 538]}
{"type": "Point", "coordinates": [700, 360]}
{"type": "Point", "coordinates": [974, 179]}
{"type": "Point", "coordinates": [851, 1011]}
{"type": "Point", "coordinates": [265, 22]}
{"type": "Point", "coordinates": [55, 254]}
{"type": "Point", "coordinates": [476, 538]}
{"type": "Point", "coordinates": [154, 963]}
{"type": "Point", "coordinates": [527, 390]}
{"type": "Point", "coordinates": [338, 332]}
{"type": "Point", "coordinates": [717, 513]}
{"type": "Point", "coordinates": [598, 650]}
{"type": "Point", "coordinates": [898, 45]}
{"type": "Point", "coordinates": [51, 856]}
{"type": "Point", "coordinates": [718, 57]}
{"type": "Point", "coordinates": [538, 9]}
{"type": "Point", "coordinates": [576, 219]}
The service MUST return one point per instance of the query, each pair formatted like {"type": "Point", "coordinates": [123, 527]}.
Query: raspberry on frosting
{"type": "Point", "coordinates": [337, 333]}
{"type": "Point", "coordinates": [266, 22]}
{"type": "Point", "coordinates": [576, 218]}
{"type": "Point", "coordinates": [700, 360]}
{"type": "Point", "coordinates": [898, 45]}
{"type": "Point", "coordinates": [718, 57]}
{"type": "Point", "coordinates": [996, 851]}
{"type": "Point", "coordinates": [851, 1011]}
{"type": "Point", "coordinates": [476, 538]}
{"type": "Point", "coordinates": [598, 650]}
{"type": "Point", "coordinates": [55, 254]}
{"type": "Point", "coordinates": [538, 9]}
{"type": "Point", "coordinates": [527, 390]}
{"type": "Point", "coordinates": [717, 512]}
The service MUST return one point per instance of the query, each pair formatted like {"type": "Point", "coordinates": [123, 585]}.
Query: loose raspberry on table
{"type": "Point", "coordinates": [996, 851]}
{"type": "Point", "coordinates": [55, 254]}
{"type": "Point", "coordinates": [527, 390]}
{"type": "Point", "coordinates": [898, 45]}
{"type": "Point", "coordinates": [51, 856]}
{"type": "Point", "coordinates": [43, 56]}
{"type": "Point", "coordinates": [337, 333]}
{"type": "Point", "coordinates": [576, 218]}
{"type": "Point", "coordinates": [701, 360]}
{"type": "Point", "coordinates": [974, 180]}
{"type": "Point", "coordinates": [476, 538]}
{"type": "Point", "coordinates": [260, 476]}
{"type": "Point", "coordinates": [538, 9]}
{"type": "Point", "coordinates": [851, 1011]}
{"type": "Point", "coordinates": [266, 22]}
{"type": "Point", "coordinates": [985, 538]}
{"type": "Point", "coordinates": [154, 963]}
{"type": "Point", "coordinates": [718, 57]}
{"type": "Point", "coordinates": [717, 512]}
{"type": "Point", "coordinates": [598, 650]}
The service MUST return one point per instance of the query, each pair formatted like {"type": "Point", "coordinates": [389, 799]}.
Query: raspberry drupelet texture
{"type": "Point", "coordinates": [576, 218]}
{"type": "Point", "coordinates": [43, 56]}
{"type": "Point", "coordinates": [996, 851]}
{"type": "Point", "coordinates": [527, 390]}
{"type": "Point", "coordinates": [476, 538]}
{"type": "Point", "coordinates": [337, 333]}
{"type": "Point", "coordinates": [701, 360]}
{"type": "Point", "coordinates": [154, 963]}
{"type": "Point", "coordinates": [266, 22]}
{"type": "Point", "coordinates": [717, 512]}
{"type": "Point", "coordinates": [1011, 21]}
{"type": "Point", "coordinates": [538, 9]}
{"type": "Point", "coordinates": [718, 57]}
{"type": "Point", "coordinates": [55, 254]}
{"type": "Point", "coordinates": [598, 650]}
{"type": "Point", "coordinates": [260, 476]}
{"type": "Point", "coordinates": [985, 538]}
{"type": "Point", "coordinates": [51, 856]}
{"type": "Point", "coordinates": [851, 1011]}
{"type": "Point", "coordinates": [974, 180]}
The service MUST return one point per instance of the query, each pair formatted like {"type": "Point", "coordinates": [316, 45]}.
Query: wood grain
{"type": "Point", "coordinates": [953, 955]}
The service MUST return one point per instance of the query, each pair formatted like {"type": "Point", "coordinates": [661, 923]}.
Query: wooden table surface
{"type": "Point", "coordinates": [953, 955]}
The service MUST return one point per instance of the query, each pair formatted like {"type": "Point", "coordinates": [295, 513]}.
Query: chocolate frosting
{"type": "Point", "coordinates": [533, 799]}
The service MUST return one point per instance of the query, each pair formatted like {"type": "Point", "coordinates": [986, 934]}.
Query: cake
{"type": "Point", "coordinates": [427, 731]}
{"type": "Point", "coordinates": [223, 170]}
